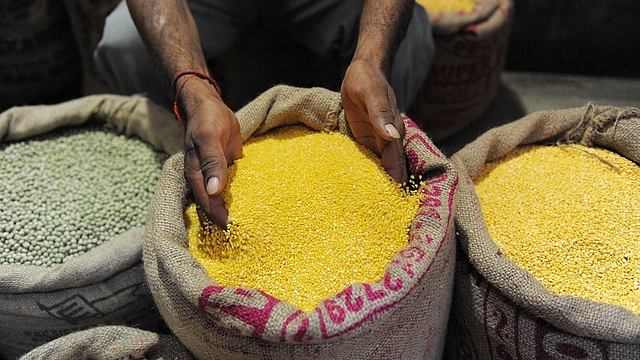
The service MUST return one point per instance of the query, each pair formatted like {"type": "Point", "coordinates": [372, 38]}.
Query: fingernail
{"type": "Point", "coordinates": [391, 130]}
{"type": "Point", "coordinates": [212, 185]}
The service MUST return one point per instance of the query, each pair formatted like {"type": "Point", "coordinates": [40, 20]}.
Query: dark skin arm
{"type": "Point", "coordinates": [212, 134]}
{"type": "Point", "coordinates": [368, 99]}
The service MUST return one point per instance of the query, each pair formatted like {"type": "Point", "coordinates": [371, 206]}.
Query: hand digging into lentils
{"type": "Point", "coordinates": [383, 49]}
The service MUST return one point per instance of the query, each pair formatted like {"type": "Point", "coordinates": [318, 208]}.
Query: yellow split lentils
{"type": "Point", "coordinates": [309, 214]}
{"type": "Point", "coordinates": [438, 6]}
{"type": "Point", "coordinates": [570, 215]}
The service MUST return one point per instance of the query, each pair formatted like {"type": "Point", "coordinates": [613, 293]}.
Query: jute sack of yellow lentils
{"type": "Point", "coordinates": [40, 302]}
{"type": "Point", "coordinates": [402, 316]}
{"type": "Point", "coordinates": [501, 311]}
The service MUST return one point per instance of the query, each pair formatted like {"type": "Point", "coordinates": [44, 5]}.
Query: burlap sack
{"type": "Point", "coordinates": [402, 316]}
{"type": "Point", "coordinates": [129, 115]}
{"type": "Point", "coordinates": [105, 286]}
{"type": "Point", "coordinates": [467, 68]}
{"type": "Point", "coordinates": [499, 310]}
{"type": "Point", "coordinates": [111, 343]}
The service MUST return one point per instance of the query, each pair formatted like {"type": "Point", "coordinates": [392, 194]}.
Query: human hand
{"type": "Point", "coordinates": [212, 142]}
{"type": "Point", "coordinates": [374, 118]}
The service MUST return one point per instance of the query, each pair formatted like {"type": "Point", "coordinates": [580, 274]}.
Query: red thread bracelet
{"type": "Point", "coordinates": [192, 73]}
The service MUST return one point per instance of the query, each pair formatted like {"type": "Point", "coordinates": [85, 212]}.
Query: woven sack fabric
{"type": "Point", "coordinates": [499, 310]}
{"type": "Point", "coordinates": [104, 286]}
{"type": "Point", "coordinates": [467, 68]}
{"type": "Point", "coordinates": [402, 316]}
{"type": "Point", "coordinates": [111, 343]}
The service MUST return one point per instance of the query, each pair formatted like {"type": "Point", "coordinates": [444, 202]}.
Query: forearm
{"type": "Point", "coordinates": [383, 25]}
{"type": "Point", "coordinates": [170, 34]}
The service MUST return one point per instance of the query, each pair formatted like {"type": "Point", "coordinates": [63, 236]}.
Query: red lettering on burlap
{"type": "Point", "coordinates": [407, 267]}
{"type": "Point", "coordinates": [551, 343]}
{"type": "Point", "coordinates": [373, 295]}
{"type": "Point", "coordinates": [413, 252]}
{"type": "Point", "coordinates": [283, 330]}
{"type": "Point", "coordinates": [416, 238]}
{"type": "Point", "coordinates": [430, 212]}
{"type": "Point", "coordinates": [255, 317]}
{"type": "Point", "coordinates": [349, 303]}
{"type": "Point", "coordinates": [501, 324]}
{"type": "Point", "coordinates": [431, 202]}
{"type": "Point", "coordinates": [302, 330]}
{"type": "Point", "coordinates": [435, 191]}
{"type": "Point", "coordinates": [393, 286]}
{"type": "Point", "coordinates": [335, 311]}
{"type": "Point", "coordinates": [417, 165]}
{"type": "Point", "coordinates": [422, 142]}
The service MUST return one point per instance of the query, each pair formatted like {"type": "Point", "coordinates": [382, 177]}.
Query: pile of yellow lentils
{"type": "Point", "coordinates": [570, 215]}
{"type": "Point", "coordinates": [438, 6]}
{"type": "Point", "coordinates": [309, 214]}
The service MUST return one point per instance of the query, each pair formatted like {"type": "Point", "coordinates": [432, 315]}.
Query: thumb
{"type": "Point", "coordinates": [206, 174]}
{"type": "Point", "coordinates": [389, 125]}
{"type": "Point", "coordinates": [213, 166]}
{"type": "Point", "coordinates": [385, 120]}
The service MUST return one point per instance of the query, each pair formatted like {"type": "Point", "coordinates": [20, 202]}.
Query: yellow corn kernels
{"type": "Point", "coordinates": [438, 6]}
{"type": "Point", "coordinates": [309, 214]}
{"type": "Point", "coordinates": [570, 215]}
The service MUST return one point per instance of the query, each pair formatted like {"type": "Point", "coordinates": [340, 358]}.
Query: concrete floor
{"type": "Point", "coordinates": [523, 93]}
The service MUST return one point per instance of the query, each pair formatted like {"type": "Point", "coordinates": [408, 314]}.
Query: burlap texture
{"type": "Point", "coordinates": [465, 75]}
{"type": "Point", "coordinates": [402, 316]}
{"type": "Point", "coordinates": [111, 343]}
{"type": "Point", "coordinates": [130, 115]}
{"type": "Point", "coordinates": [501, 311]}
{"type": "Point", "coordinates": [104, 286]}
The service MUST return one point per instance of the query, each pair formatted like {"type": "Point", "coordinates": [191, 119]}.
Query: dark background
{"type": "Point", "coordinates": [587, 37]}
{"type": "Point", "coordinates": [46, 46]}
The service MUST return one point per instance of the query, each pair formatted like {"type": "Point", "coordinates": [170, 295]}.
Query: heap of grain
{"type": "Point", "coordinates": [69, 191]}
{"type": "Point", "coordinates": [547, 231]}
{"type": "Point", "coordinates": [387, 303]}
{"type": "Point", "coordinates": [440, 6]}
{"type": "Point", "coordinates": [76, 179]}
{"type": "Point", "coordinates": [309, 214]}
{"type": "Point", "coordinates": [572, 222]}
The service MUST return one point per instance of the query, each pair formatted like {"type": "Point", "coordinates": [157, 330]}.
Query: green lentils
{"type": "Point", "coordinates": [69, 191]}
{"type": "Point", "coordinates": [568, 215]}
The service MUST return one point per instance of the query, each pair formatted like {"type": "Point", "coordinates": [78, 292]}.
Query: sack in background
{"type": "Point", "coordinates": [499, 310]}
{"type": "Point", "coordinates": [104, 286]}
{"type": "Point", "coordinates": [464, 78]}
{"type": "Point", "coordinates": [402, 316]}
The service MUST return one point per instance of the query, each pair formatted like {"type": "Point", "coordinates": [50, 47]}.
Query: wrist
{"type": "Point", "coordinates": [373, 57]}
{"type": "Point", "coordinates": [189, 85]}
{"type": "Point", "coordinates": [182, 77]}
